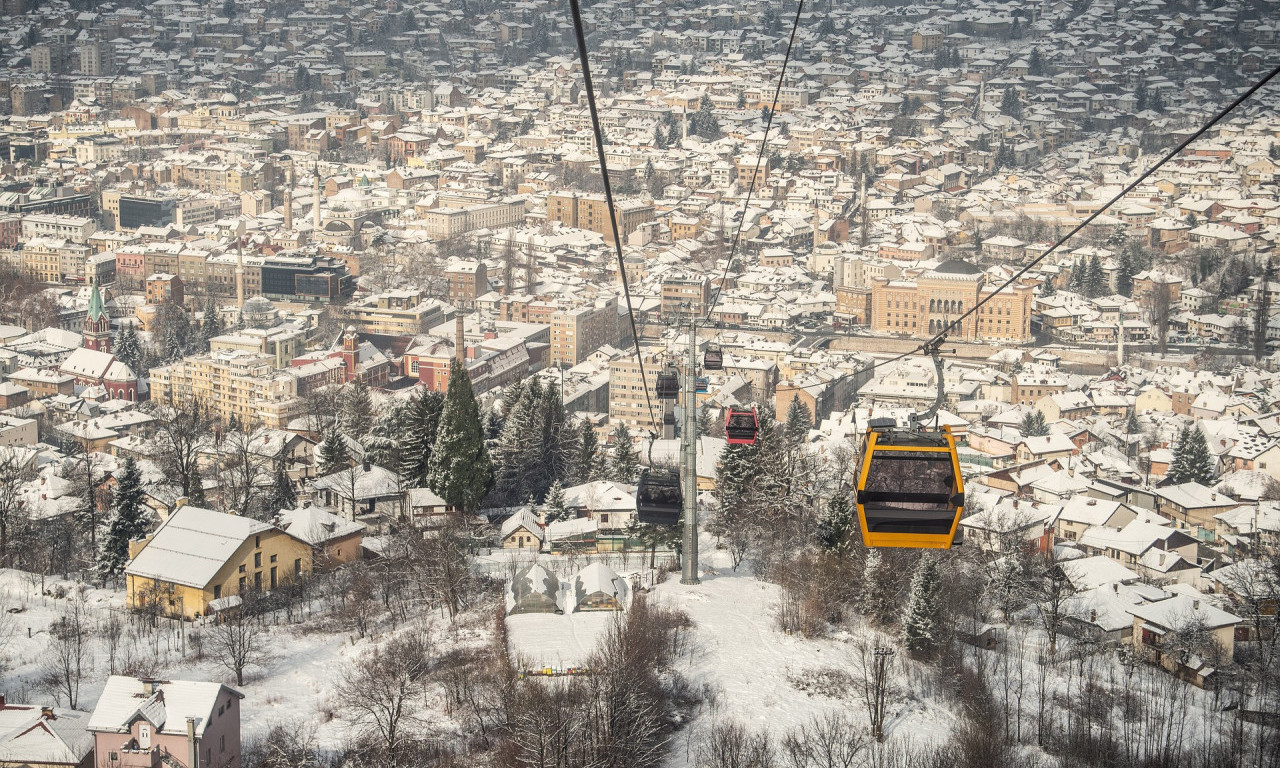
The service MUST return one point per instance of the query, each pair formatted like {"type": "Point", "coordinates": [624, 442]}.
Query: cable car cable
{"type": "Point", "coordinates": [755, 174]}
{"type": "Point", "coordinates": [608, 196]}
{"type": "Point", "coordinates": [940, 337]}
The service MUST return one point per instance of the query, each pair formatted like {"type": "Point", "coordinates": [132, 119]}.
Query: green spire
{"type": "Point", "coordinates": [96, 310]}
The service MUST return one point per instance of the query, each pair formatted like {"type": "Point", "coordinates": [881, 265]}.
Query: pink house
{"type": "Point", "coordinates": [145, 723]}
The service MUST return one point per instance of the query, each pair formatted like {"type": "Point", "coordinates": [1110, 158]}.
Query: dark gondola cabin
{"type": "Point", "coordinates": [668, 385]}
{"type": "Point", "coordinates": [713, 359]}
{"type": "Point", "coordinates": [701, 385]}
{"type": "Point", "coordinates": [741, 426]}
{"type": "Point", "coordinates": [658, 497]}
{"type": "Point", "coordinates": [910, 493]}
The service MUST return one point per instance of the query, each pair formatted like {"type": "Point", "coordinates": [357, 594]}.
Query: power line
{"type": "Point", "coordinates": [941, 336]}
{"type": "Point", "coordinates": [755, 174]}
{"type": "Point", "coordinates": [608, 197]}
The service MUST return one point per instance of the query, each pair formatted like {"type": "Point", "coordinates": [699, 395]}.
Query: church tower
{"type": "Point", "coordinates": [97, 326]}
{"type": "Point", "coordinates": [350, 353]}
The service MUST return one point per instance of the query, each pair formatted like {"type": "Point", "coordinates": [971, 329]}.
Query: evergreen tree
{"type": "Point", "coordinates": [356, 417]}
{"type": "Point", "coordinates": [624, 464]}
{"type": "Point", "coordinates": [837, 530]}
{"type": "Point", "coordinates": [704, 122]}
{"type": "Point", "coordinates": [526, 125]}
{"type": "Point", "coordinates": [799, 421]}
{"type": "Point", "coordinates": [1140, 96]}
{"type": "Point", "coordinates": [920, 629]}
{"type": "Point", "coordinates": [587, 467]}
{"type": "Point", "coordinates": [765, 114]}
{"type": "Point", "coordinates": [333, 453]}
{"type": "Point", "coordinates": [879, 593]}
{"type": "Point", "coordinates": [127, 521]}
{"type": "Point", "coordinates": [1095, 283]}
{"type": "Point", "coordinates": [1009, 103]}
{"type": "Point", "coordinates": [1035, 64]}
{"type": "Point", "coordinates": [382, 442]}
{"type": "Point", "coordinates": [195, 483]}
{"type": "Point", "coordinates": [229, 8]}
{"type": "Point", "coordinates": [210, 323]}
{"type": "Point", "coordinates": [301, 79]}
{"type": "Point", "coordinates": [422, 424]}
{"type": "Point", "coordinates": [1262, 310]}
{"type": "Point", "coordinates": [460, 471]}
{"type": "Point", "coordinates": [282, 495]}
{"type": "Point", "coordinates": [1124, 274]}
{"type": "Point", "coordinates": [127, 349]}
{"type": "Point", "coordinates": [1079, 272]}
{"type": "Point", "coordinates": [1034, 424]}
{"type": "Point", "coordinates": [659, 137]}
{"type": "Point", "coordinates": [1192, 462]}
{"type": "Point", "coordinates": [553, 507]}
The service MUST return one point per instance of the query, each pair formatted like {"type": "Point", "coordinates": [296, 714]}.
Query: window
{"type": "Point", "coordinates": [257, 541]}
{"type": "Point", "coordinates": [273, 558]}
{"type": "Point", "coordinates": [242, 582]}
{"type": "Point", "coordinates": [242, 567]}
{"type": "Point", "coordinates": [257, 581]}
{"type": "Point", "coordinates": [222, 742]}
{"type": "Point", "coordinates": [257, 559]}
{"type": "Point", "coordinates": [297, 565]}
{"type": "Point", "coordinates": [217, 591]}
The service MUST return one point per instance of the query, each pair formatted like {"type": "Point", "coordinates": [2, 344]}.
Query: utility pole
{"type": "Point", "coordinates": [689, 445]}
{"type": "Point", "coordinates": [879, 686]}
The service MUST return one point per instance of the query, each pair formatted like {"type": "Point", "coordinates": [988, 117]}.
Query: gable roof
{"type": "Point", "coordinates": [192, 545]}
{"type": "Point", "coordinates": [28, 737]}
{"type": "Point", "coordinates": [167, 707]}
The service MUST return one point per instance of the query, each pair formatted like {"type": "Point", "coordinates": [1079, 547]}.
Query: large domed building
{"type": "Point", "coordinates": [923, 304]}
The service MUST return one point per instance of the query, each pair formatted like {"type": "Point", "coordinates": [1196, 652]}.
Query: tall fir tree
{"type": "Point", "coordinates": [460, 471]}
{"type": "Point", "coordinates": [879, 593]}
{"type": "Point", "coordinates": [356, 416]}
{"type": "Point", "coordinates": [421, 425]}
{"type": "Point", "coordinates": [921, 633]}
{"type": "Point", "coordinates": [128, 350]}
{"type": "Point", "coordinates": [553, 507]}
{"type": "Point", "coordinates": [1079, 271]}
{"type": "Point", "coordinates": [334, 456]}
{"type": "Point", "coordinates": [1262, 310]}
{"type": "Point", "coordinates": [1192, 461]}
{"type": "Point", "coordinates": [1034, 424]}
{"type": "Point", "coordinates": [624, 463]}
{"type": "Point", "coordinates": [838, 528]}
{"type": "Point", "coordinates": [587, 467]}
{"type": "Point", "coordinates": [127, 521]}
{"type": "Point", "coordinates": [1095, 281]}
{"type": "Point", "coordinates": [282, 494]}
{"type": "Point", "coordinates": [210, 323]}
{"type": "Point", "coordinates": [799, 421]}
{"type": "Point", "coordinates": [1124, 274]}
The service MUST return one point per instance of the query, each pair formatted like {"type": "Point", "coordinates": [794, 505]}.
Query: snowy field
{"type": "Point", "coordinates": [749, 664]}
{"type": "Point", "coordinates": [293, 687]}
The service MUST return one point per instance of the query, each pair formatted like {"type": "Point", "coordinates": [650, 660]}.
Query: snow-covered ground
{"type": "Point", "coordinates": [294, 687]}
{"type": "Point", "coordinates": [750, 665]}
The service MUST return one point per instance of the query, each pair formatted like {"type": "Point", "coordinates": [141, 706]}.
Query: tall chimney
{"type": "Point", "coordinates": [460, 344]}
{"type": "Point", "coordinates": [193, 748]}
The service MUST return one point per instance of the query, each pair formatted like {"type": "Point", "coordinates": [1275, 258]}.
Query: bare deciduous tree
{"type": "Point", "coordinates": [384, 690]}
{"type": "Point", "coordinates": [239, 640]}
{"type": "Point", "coordinates": [69, 656]}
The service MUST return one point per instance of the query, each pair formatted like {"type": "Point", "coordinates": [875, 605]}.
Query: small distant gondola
{"type": "Point", "coordinates": [668, 384]}
{"type": "Point", "coordinates": [701, 385]}
{"type": "Point", "coordinates": [741, 426]}
{"type": "Point", "coordinates": [658, 496]}
{"type": "Point", "coordinates": [713, 359]}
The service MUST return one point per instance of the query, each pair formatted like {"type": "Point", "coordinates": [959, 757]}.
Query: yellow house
{"type": "Point", "coordinates": [198, 555]}
{"type": "Point", "coordinates": [1153, 399]}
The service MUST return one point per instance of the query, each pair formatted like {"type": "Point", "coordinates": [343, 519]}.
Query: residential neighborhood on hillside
{"type": "Point", "coordinates": [525, 384]}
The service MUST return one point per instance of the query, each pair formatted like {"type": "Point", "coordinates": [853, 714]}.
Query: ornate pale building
{"type": "Point", "coordinates": [923, 306]}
